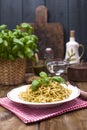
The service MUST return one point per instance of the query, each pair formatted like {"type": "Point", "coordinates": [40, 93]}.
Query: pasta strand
{"type": "Point", "coordinates": [51, 93]}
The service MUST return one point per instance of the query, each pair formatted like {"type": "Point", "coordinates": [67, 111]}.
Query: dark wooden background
{"type": "Point", "coordinates": [72, 14]}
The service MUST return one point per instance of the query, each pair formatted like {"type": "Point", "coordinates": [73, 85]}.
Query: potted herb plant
{"type": "Point", "coordinates": [15, 46]}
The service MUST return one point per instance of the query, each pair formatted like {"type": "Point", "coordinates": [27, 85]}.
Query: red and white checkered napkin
{"type": "Point", "coordinates": [30, 115]}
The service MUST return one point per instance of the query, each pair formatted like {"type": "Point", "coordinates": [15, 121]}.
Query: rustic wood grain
{"type": "Point", "coordinates": [41, 14]}
{"type": "Point", "coordinates": [49, 34]}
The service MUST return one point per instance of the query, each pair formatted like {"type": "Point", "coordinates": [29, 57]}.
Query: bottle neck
{"type": "Point", "coordinates": [72, 35]}
{"type": "Point", "coordinates": [72, 39]}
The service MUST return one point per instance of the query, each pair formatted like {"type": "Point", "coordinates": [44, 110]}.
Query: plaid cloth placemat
{"type": "Point", "coordinates": [30, 115]}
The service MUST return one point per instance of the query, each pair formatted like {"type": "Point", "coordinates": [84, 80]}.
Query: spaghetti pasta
{"type": "Point", "coordinates": [53, 92]}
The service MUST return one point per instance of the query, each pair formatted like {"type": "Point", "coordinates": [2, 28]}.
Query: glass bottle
{"type": "Point", "coordinates": [72, 49]}
{"type": "Point", "coordinates": [48, 54]}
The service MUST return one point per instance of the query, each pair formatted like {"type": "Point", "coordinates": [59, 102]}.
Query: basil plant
{"type": "Point", "coordinates": [18, 43]}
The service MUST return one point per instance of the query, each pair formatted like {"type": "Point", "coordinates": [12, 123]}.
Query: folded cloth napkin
{"type": "Point", "coordinates": [30, 115]}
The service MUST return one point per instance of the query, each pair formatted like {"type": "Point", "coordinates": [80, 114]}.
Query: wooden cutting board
{"type": "Point", "coordinates": [49, 34]}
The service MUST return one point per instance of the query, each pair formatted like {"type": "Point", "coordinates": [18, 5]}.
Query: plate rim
{"type": "Point", "coordinates": [40, 104]}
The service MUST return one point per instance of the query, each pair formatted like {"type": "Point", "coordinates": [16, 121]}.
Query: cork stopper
{"type": "Point", "coordinates": [72, 33]}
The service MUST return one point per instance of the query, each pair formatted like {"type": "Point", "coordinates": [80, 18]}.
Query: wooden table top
{"type": "Point", "coordinates": [76, 120]}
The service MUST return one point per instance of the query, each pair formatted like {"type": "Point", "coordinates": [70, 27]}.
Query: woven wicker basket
{"type": "Point", "coordinates": [12, 72]}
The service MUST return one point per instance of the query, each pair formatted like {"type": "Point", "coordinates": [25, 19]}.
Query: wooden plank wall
{"type": "Point", "coordinates": [71, 13]}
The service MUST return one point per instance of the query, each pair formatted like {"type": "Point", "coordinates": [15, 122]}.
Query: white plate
{"type": "Point", "coordinates": [13, 95]}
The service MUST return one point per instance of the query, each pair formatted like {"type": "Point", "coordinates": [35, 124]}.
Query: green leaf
{"type": "Point", "coordinates": [43, 74]}
{"type": "Point", "coordinates": [15, 48]}
{"type": "Point", "coordinates": [46, 80]}
{"type": "Point", "coordinates": [11, 57]}
{"type": "Point", "coordinates": [20, 55]}
{"type": "Point", "coordinates": [59, 79]}
{"type": "Point", "coordinates": [3, 27]}
{"type": "Point", "coordinates": [24, 25]}
{"type": "Point", "coordinates": [29, 52]}
{"type": "Point", "coordinates": [5, 43]}
{"type": "Point", "coordinates": [29, 42]}
{"type": "Point", "coordinates": [34, 38]}
{"type": "Point", "coordinates": [18, 41]}
{"type": "Point", "coordinates": [1, 40]}
{"type": "Point", "coordinates": [35, 84]}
